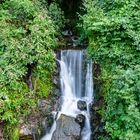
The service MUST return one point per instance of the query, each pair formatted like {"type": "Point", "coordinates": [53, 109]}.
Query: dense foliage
{"type": "Point", "coordinates": [27, 40]}
{"type": "Point", "coordinates": [28, 35]}
{"type": "Point", "coordinates": [113, 30]}
{"type": "Point", "coordinates": [57, 16]}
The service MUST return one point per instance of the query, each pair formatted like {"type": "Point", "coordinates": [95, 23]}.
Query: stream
{"type": "Point", "coordinates": [76, 91]}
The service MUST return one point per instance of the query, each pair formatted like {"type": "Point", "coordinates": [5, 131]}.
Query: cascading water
{"type": "Point", "coordinates": [76, 84]}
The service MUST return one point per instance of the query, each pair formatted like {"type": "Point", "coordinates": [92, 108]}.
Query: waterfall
{"type": "Point", "coordinates": [76, 84]}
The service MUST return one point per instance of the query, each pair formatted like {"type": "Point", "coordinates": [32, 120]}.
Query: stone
{"type": "Point", "coordinates": [45, 107]}
{"type": "Point", "coordinates": [80, 119]}
{"type": "Point", "coordinates": [82, 105]}
{"type": "Point", "coordinates": [29, 137]}
{"type": "Point", "coordinates": [67, 33]}
{"type": "Point", "coordinates": [26, 133]}
{"type": "Point", "coordinates": [67, 129]}
{"type": "Point", "coordinates": [55, 81]}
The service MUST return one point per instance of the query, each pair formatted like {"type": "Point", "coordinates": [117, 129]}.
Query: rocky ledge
{"type": "Point", "coordinates": [68, 128]}
{"type": "Point", "coordinates": [40, 120]}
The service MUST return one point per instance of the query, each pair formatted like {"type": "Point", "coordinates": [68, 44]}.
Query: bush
{"type": "Point", "coordinates": [28, 37]}
{"type": "Point", "coordinates": [57, 16]}
{"type": "Point", "coordinates": [112, 28]}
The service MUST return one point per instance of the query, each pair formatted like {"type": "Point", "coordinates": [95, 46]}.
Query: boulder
{"type": "Point", "coordinates": [26, 133]}
{"type": "Point", "coordinates": [67, 33]}
{"type": "Point", "coordinates": [81, 105]}
{"type": "Point", "coordinates": [67, 129]}
{"type": "Point", "coordinates": [80, 119]}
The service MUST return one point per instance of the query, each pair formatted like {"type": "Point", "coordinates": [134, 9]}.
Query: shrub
{"type": "Point", "coordinates": [28, 37]}
{"type": "Point", "coordinates": [112, 28]}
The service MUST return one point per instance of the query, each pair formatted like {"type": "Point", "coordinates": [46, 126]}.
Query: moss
{"type": "Point", "coordinates": [15, 134]}
{"type": "Point", "coordinates": [11, 132]}
{"type": "Point", "coordinates": [42, 83]}
{"type": "Point", "coordinates": [44, 87]}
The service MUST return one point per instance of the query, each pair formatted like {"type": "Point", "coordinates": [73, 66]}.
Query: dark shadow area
{"type": "Point", "coordinates": [71, 9]}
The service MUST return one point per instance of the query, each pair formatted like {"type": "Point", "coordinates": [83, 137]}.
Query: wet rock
{"type": "Point", "coordinates": [82, 105]}
{"type": "Point", "coordinates": [80, 119]}
{"type": "Point", "coordinates": [55, 81]}
{"type": "Point", "coordinates": [44, 107]}
{"type": "Point", "coordinates": [26, 133]}
{"type": "Point", "coordinates": [29, 137]}
{"type": "Point", "coordinates": [57, 105]}
{"type": "Point", "coordinates": [67, 129]}
{"type": "Point", "coordinates": [98, 131]}
{"type": "Point", "coordinates": [56, 78]}
{"type": "Point", "coordinates": [67, 33]}
{"type": "Point", "coordinates": [75, 40]}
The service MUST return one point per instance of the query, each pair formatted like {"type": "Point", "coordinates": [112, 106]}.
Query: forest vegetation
{"type": "Point", "coordinates": [29, 33]}
{"type": "Point", "coordinates": [113, 32]}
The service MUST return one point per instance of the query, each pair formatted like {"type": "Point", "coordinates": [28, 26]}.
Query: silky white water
{"type": "Point", "coordinates": [76, 84]}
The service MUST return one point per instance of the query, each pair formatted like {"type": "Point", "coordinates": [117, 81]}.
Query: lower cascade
{"type": "Point", "coordinates": [77, 94]}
